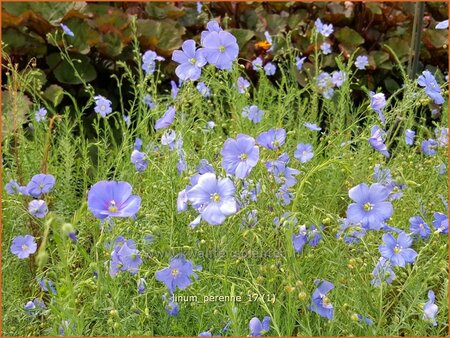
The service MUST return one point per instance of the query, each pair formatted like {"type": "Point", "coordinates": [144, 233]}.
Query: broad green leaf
{"type": "Point", "coordinates": [349, 37]}
{"type": "Point", "coordinates": [65, 73]}
{"type": "Point", "coordinates": [162, 36]}
{"type": "Point", "coordinates": [54, 94]}
{"type": "Point", "coordinates": [242, 35]}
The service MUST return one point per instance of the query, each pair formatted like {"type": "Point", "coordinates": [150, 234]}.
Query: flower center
{"type": "Point", "coordinates": [112, 206]}
{"type": "Point", "coordinates": [102, 108]}
{"type": "Point", "coordinates": [243, 156]}
{"type": "Point", "coordinates": [24, 247]}
{"type": "Point", "coordinates": [275, 143]}
{"type": "Point", "coordinates": [326, 300]}
{"type": "Point", "coordinates": [133, 256]}
{"type": "Point", "coordinates": [397, 249]}
{"type": "Point", "coordinates": [368, 206]}
{"type": "Point", "coordinates": [221, 49]}
{"type": "Point", "coordinates": [175, 272]}
{"type": "Point", "coordinates": [215, 197]}
{"type": "Point", "coordinates": [192, 61]}
{"type": "Point", "coordinates": [41, 186]}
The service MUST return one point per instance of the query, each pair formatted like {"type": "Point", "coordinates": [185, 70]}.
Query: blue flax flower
{"type": "Point", "coordinates": [171, 307]}
{"type": "Point", "coordinates": [312, 126]}
{"type": "Point", "coordinates": [23, 246]}
{"type": "Point", "coordinates": [320, 303]}
{"type": "Point", "coordinates": [430, 309]}
{"type": "Point", "coordinates": [432, 88]}
{"type": "Point", "coordinates": [272, 139]}
{"type": "Point", "coordinates": [242, 85]}
{"type": "Point", "coordinates": [382, 273]}
{"type": "Point", "coordinates": [397, 250]}
{"type": "Point", "coordinates": [40, 184]}
{"type": "Point", "coordinates": [304, 152]}
{"type": "Point", "coordinates": [253, 113]}
{"type": "Point", "coordinates": [102, 105]}
{"type": "Point", "coordinates": [409, 136]}
{"type": "Point", "coordinates": [299, 62]}
{"type": "Point", "coordinates": [326, 48]}
{"type": "Point", "coordinates": [203, 89]}
{"type": "Point", "coordinates": [376, 140]}
{"type": "Point", "coordinates": [257, 63]}
{"type": "Point", "coordinates": [66, 30]}
{"type": "Point", "coordinates": [362, 61]}
{"type": "Point", "coordinates": [12, 187]}
{"type": "Point", "coordinates": [429, 147]}
{"type": "Point", "coordinates": [258, 328]}
{"type": "Point", "coordinates": [41, 114]}
{"type": "Point", "coordinates": [149, 102]}
{"type": "Point", "coordinates": [440, 223]}
{"type": "Point", "coordinates": [239, 156]}
{"type": "Point", "coordinates": [113, 199]}
{"type": "Point", "coordinates": [46, 284]}
{"type": "Point", "coordinates": [178, 274]}
{"type": "Point", "coordinates": [418, 227]}
{"type": "Point", "coordinates": [270, 68]}
{"type": "Point", "coordinates": [338, 78]}
{"type": "Point", "coordinates": [38, 208]}
{"type": "Point", "coordinates": [32, 308]}
{"type": "Point", "coordinates": [324, 29]}
{"type": "Point", "coordinates": [149, 61]}
{"type": "Point", "coordinates": [377, 103]}
{"type": "Point", "coordinates": [190, 60]}
{"type": "Point", "coordinates": [140, 160]}
{"type": "Point", "coordinates": [167, 119]}
{"type": "Point", "coordinates": [220, 49]}
{"type": "Point", "coordinates": [300, 240]}
{"type": "Point", "coordinates": [371, 208]}
{"type": "Point", "coordinates": [214, 198]}
{"type": "Point", "coordinates": [442, 25]}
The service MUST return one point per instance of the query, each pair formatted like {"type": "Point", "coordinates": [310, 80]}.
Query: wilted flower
{"type": "Point", "coordinates": [299, 62]}
{"type": "Point", "coordinates": [440, 223]}
{"type": "Point", "coordinates": [409, 136]}
{"type": "Point", "coordinates": [171, 307]}
{"type": "Point", "coordinates": [300, 240]}
{"type": "Point", "coordinates": [102, 105]}
{"type": "Point", "coordinates": [253, 113]}
{"type": "Point", "coordinates": [167, 119]}
{"type": "Point", "coordinates": [12, 187]}
{"type": "Point", "coordinates": [23, 246]}
{"type": "Point", "coordinates": [429, 147]}
{"type": "Point", "coordinates": [442, 136]}
{"type": "Point", "coordinates": [320, 303]}
{"type": "Point", "coordinates": [304, 152]}
{"type": "Point", "coordinates": [125, 257]}
{"type": "Point", "coordinates": [382, 273]}
{"type": "Point", "coordinates": [46, 284]}
{"type": "Point", "coordinates": [397, 250]}
{"type": "Point", "coordinates": [168, 138]}
{"type": "Point", "coordinates": [203, 89]}
{"type": "Point", "coordinates": [38, 208]}
{"type": "Point", "coordinates": [190, 60]}
{"type": "Point", "coordinates": [442, 25]}
{"type": "Point", "coordinates": [258, 328]}
{"type": "Point", "coordinates": [40, 184]}
{"type": "Point", "coordinates": [430, 309]}
{"type": "Point", "coordinates": [149, 61]}
{"type": "Point", "coordinates": [178, 274]}
{"type": "Point", "coordinates": [312, 126]}
{"type": "Point", "coordinates": [362, 61]}
{"type": "Point", "coordinates": [41, 114]}
{"type": "Point", "coordinates": [33, 307]}
{"type": "Point", "coordinates": [113, 199]}
{"type": "Point", "coordinates": [377, 102]}
{"type": "Point", "coordinates": [239, 156]}
{"type": "Point", "coordinates": [371, 208]}
{"type": "Point", "coordinates": [376, 140]}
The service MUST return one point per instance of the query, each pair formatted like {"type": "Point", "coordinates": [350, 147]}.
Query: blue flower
{"type": "Point", "coordinates": [169, 138]}
{"type": "Point", "coordinates": [257, 63]}
{"type": "Point", "coordinates": [41, 114]}
{"type": "Point", "coordinates": [442, 136]}
{"type": "Point", "coordinates": [102, 105]}
{"type": "Point", "coordinates": [167, 119]}
{"type": "Point", "coordinates": [242, 85]}
{"type": "Point", "coordinates": [203, 89]}
{"type": "Point", "coordinates": [220, 49]}
{"type": "Point", "coordinates": [429, 147]}
{"type": "Point", "coordinates": [253, 113]}
{"type": "Point", "coordinates": [137, 143]}
{"type": "Point", "coordinates": [371, 208]}
{"type": "Point", "coordinates": [149, 61]}
{"type": "Point", "coordinates": [440, 223]}
{"type": "Point", "coordinates": [38, 208]}
{"type": "Point", "coordinates": [326, 48]}
{"type": "Point", "coordinates": [282, 173]}
{"type": "Point", "coordinates": [382, 273]}
{"type": "Point", "coordinates": [272, 139]}
{"type": "Point", "coordinates": [32, 308]}
{"type": "Point", "coordinates": [430, 309]}
{"type": "Point", "coordinates": [239, 156]}
{"type": "Point", "coordinates": [376, 140]}
{"type": "Point", "coordinates": [338, 78]}
{"type": "Point", "coordinates": [325, 84]}
{"type": "Point", "coordinates": [40, 184]}
{"type": "Point", "coordinates": [125, 257]}
{"type": "Point", "coordinates": [12, 187]}
{"type": "Point", "coordinates": [214, 198]}
{"type": "Point", "coordinates": [304, 152]}
{"type": "Point", "coordinates": [269, 40]}
{"type": "Point", "coordinates": [324, 29]}
{"type": "Point", "coordinates": [149, 102]}
{"type": "Point", "coordinates": [312, 126]}
{"type": "Point", "coordinates": [397, 250]}
{"type": "Point", "coordinates": [320, 303]}
{"type": "Point", "coordinates": [171, 307]}
{"type": "Point", "coordinates": [299, 62]}
{"type": "Point", "coordinates": [46, 284]}
{"type": "Point", "coordinates": [362, 61]}
{"type": "Point", "coordinates": [178, 274]}
{"type": "Point", "coordinates": [442, 25]}
{"type": "Point", "coordinates": [66, 30]}
{"type": "Point", "coordinates": [300, 240]}
{"type": "Point", "coordinates": [432, 88]}
{"type": "Point", "coordinates": [190, 60]}
{"type": "Point", "coordinates": [23, 246]}
{"type": "Point", "coordinates": [211, 26]}
{"type": "Point", "coordinates": [270, 68]}
{"type": "Point", "coordinates": [199, 7]}
{"type": "Point", "coordinates": [258, 328]}
{"type": "Point", "coordinates": [409, 136]}
{"type": "Point", "coordinates": [174, 89]}
{"type": "Point", "coordinates": [377, 102]}
{"type": "Point", "coordinates": [140, 160]}
{"type": "Point", "coordinates": [418, 227]}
